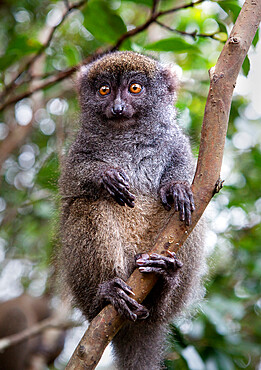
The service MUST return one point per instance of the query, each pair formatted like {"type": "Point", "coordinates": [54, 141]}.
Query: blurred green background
{"type": "Point", "coordinates": [40, 43]}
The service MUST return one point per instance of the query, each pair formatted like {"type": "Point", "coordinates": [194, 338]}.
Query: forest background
{"type": "Point", "coordinates": [41, 43]}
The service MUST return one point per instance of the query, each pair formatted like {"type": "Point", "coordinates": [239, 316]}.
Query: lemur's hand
{"type": "Point", "coordinates": [116, 182]}
{"type": "Point", "coordinates": [180, 195]}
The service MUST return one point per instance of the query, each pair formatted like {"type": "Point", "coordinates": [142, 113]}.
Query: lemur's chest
{"type": "Point", "coordinates": [144, 167]}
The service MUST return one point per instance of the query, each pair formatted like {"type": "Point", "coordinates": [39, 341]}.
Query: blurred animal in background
{"type": "Point", "coordinates": [35, 353]}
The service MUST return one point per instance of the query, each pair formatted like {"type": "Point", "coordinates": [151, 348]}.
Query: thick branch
{"type": "Point", "coordinates": [222, 81]}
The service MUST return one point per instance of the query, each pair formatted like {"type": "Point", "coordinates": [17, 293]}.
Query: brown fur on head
{"type": "Point", "coordinates": [127, 61]}
{"type": "Point", "coordinates": [119, 62]}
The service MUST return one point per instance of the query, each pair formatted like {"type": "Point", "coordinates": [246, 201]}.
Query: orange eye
{"type": "Point", "coordinates": [104, 90]}
{"type": "Point", "coordinates": [135, 88]}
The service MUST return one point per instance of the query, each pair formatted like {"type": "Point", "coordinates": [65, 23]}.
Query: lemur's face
{"type": "Point", "coordinates": [124, 86]}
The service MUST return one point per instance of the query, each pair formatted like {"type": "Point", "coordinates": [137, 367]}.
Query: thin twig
{"type": "Point", "coordinates": [46, 83]}
{"type": "Point", "coordinates": [189, 5]}
{"type": "Point", "coordinates": [151, 20]}
{"type": "Point", "coordinates": [154, 6]}
{"type": "Point", "coordinates": [193, 34]}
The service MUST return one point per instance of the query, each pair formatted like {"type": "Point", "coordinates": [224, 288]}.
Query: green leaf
{"type": "Point", "coordinates": [143, 2]}
{"type": "Point", "coordinates": [48, 174]}
{"type": "Point", "coordinates": [7, 61]}
{"type": "Point", "coordinates": [126, 45]}
{"type": "Point", "coordinates": [222, 27]}
{"type": "Point", "coordinates": [17, 48]}
{"type": "Point", "coordinates": [175, 44]}
{"type": "Point", "coordinates": [221, 36]}
{"type": "Point", "coordinates": [231, 8]}
{"type": "Point", "coordinates": [256, 38]}
{"type": "Point", "coordinates": [103, 22]}
{"type": "Point", "coordinates": [24, 44]}
{"type": "Point", "coordinates": [72, 54]}
{"type": "Point", "coordinates": [221, 361]}
{"type": "Point", "coordinates": [246, 66]}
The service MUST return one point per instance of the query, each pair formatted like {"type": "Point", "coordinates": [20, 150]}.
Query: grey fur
{"type": "Point", "coordinates": [100, 237]}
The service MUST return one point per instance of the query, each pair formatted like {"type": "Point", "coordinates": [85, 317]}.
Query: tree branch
{"type": "Point", "coordinates": [49, 81]}
{"type": "Point", "coordinates": [50, 322]}
{"type": "Point", "coordinates": [154, 6]}
{"type": "Point", "coordinates": [154, 16]}
{"type": "Point", "coordinates": [222, 82]}
{"type": "Point", "coordinates": [194, 34]}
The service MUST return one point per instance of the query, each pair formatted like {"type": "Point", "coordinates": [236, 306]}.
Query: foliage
{"type": "Point", "coordinates": [226, 334]}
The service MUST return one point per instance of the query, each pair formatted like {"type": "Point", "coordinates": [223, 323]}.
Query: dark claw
{"type": "Point", "coordinates": [116, 182]}
{"type": "Point", "coordinates": [121, 284]}
{"type": "Point", "coordinates": [163, 195]}
{"type": "Point", "coordinates": [122, 175]}
{"type": "Point", "coordinates": [180, 195]}
{"type": "Point", "coordinates": [122, 308]}
{"type": "Point", "coordinates": [119, 201]}
{"type": "Point", "coordinates": [166, 266]}
{"type": "Point", "coordinates": [141, 255]}
{"type": "Point", "coordinates": [116, 292]}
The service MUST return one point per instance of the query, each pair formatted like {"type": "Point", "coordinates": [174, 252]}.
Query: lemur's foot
{"type": "Point", "coordinates": [116, 182]}
{"type": "Point", "coordinates": [116, 292]}
{"type": "Point", "coordinates": [180, 195]}
{"type": "Point", "coordinates": [166, 267]}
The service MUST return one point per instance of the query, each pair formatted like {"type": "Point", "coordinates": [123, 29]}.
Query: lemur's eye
{"type": "Point", "coordinates": [135, 88]}
{"type": "Point", "coordinates": [104, 90]}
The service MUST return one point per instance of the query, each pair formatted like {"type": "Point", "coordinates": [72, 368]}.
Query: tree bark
{"type": "Point", "coordinates": [205, 184]}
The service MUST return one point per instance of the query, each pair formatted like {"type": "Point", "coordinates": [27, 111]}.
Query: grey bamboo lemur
{"type": "Point", "coordinates": [126, 173]}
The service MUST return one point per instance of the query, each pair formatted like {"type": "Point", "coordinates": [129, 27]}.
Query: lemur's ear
{"type": "Point", "coordinates": [171, 78]}
{"type": "Point", "coordinates": [80, 74]}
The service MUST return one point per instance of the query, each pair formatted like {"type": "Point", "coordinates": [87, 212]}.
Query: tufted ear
{"type": "Point", "coordinates": [171, 79]}
{"type": "Point", "coordinates": [80, 76]}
